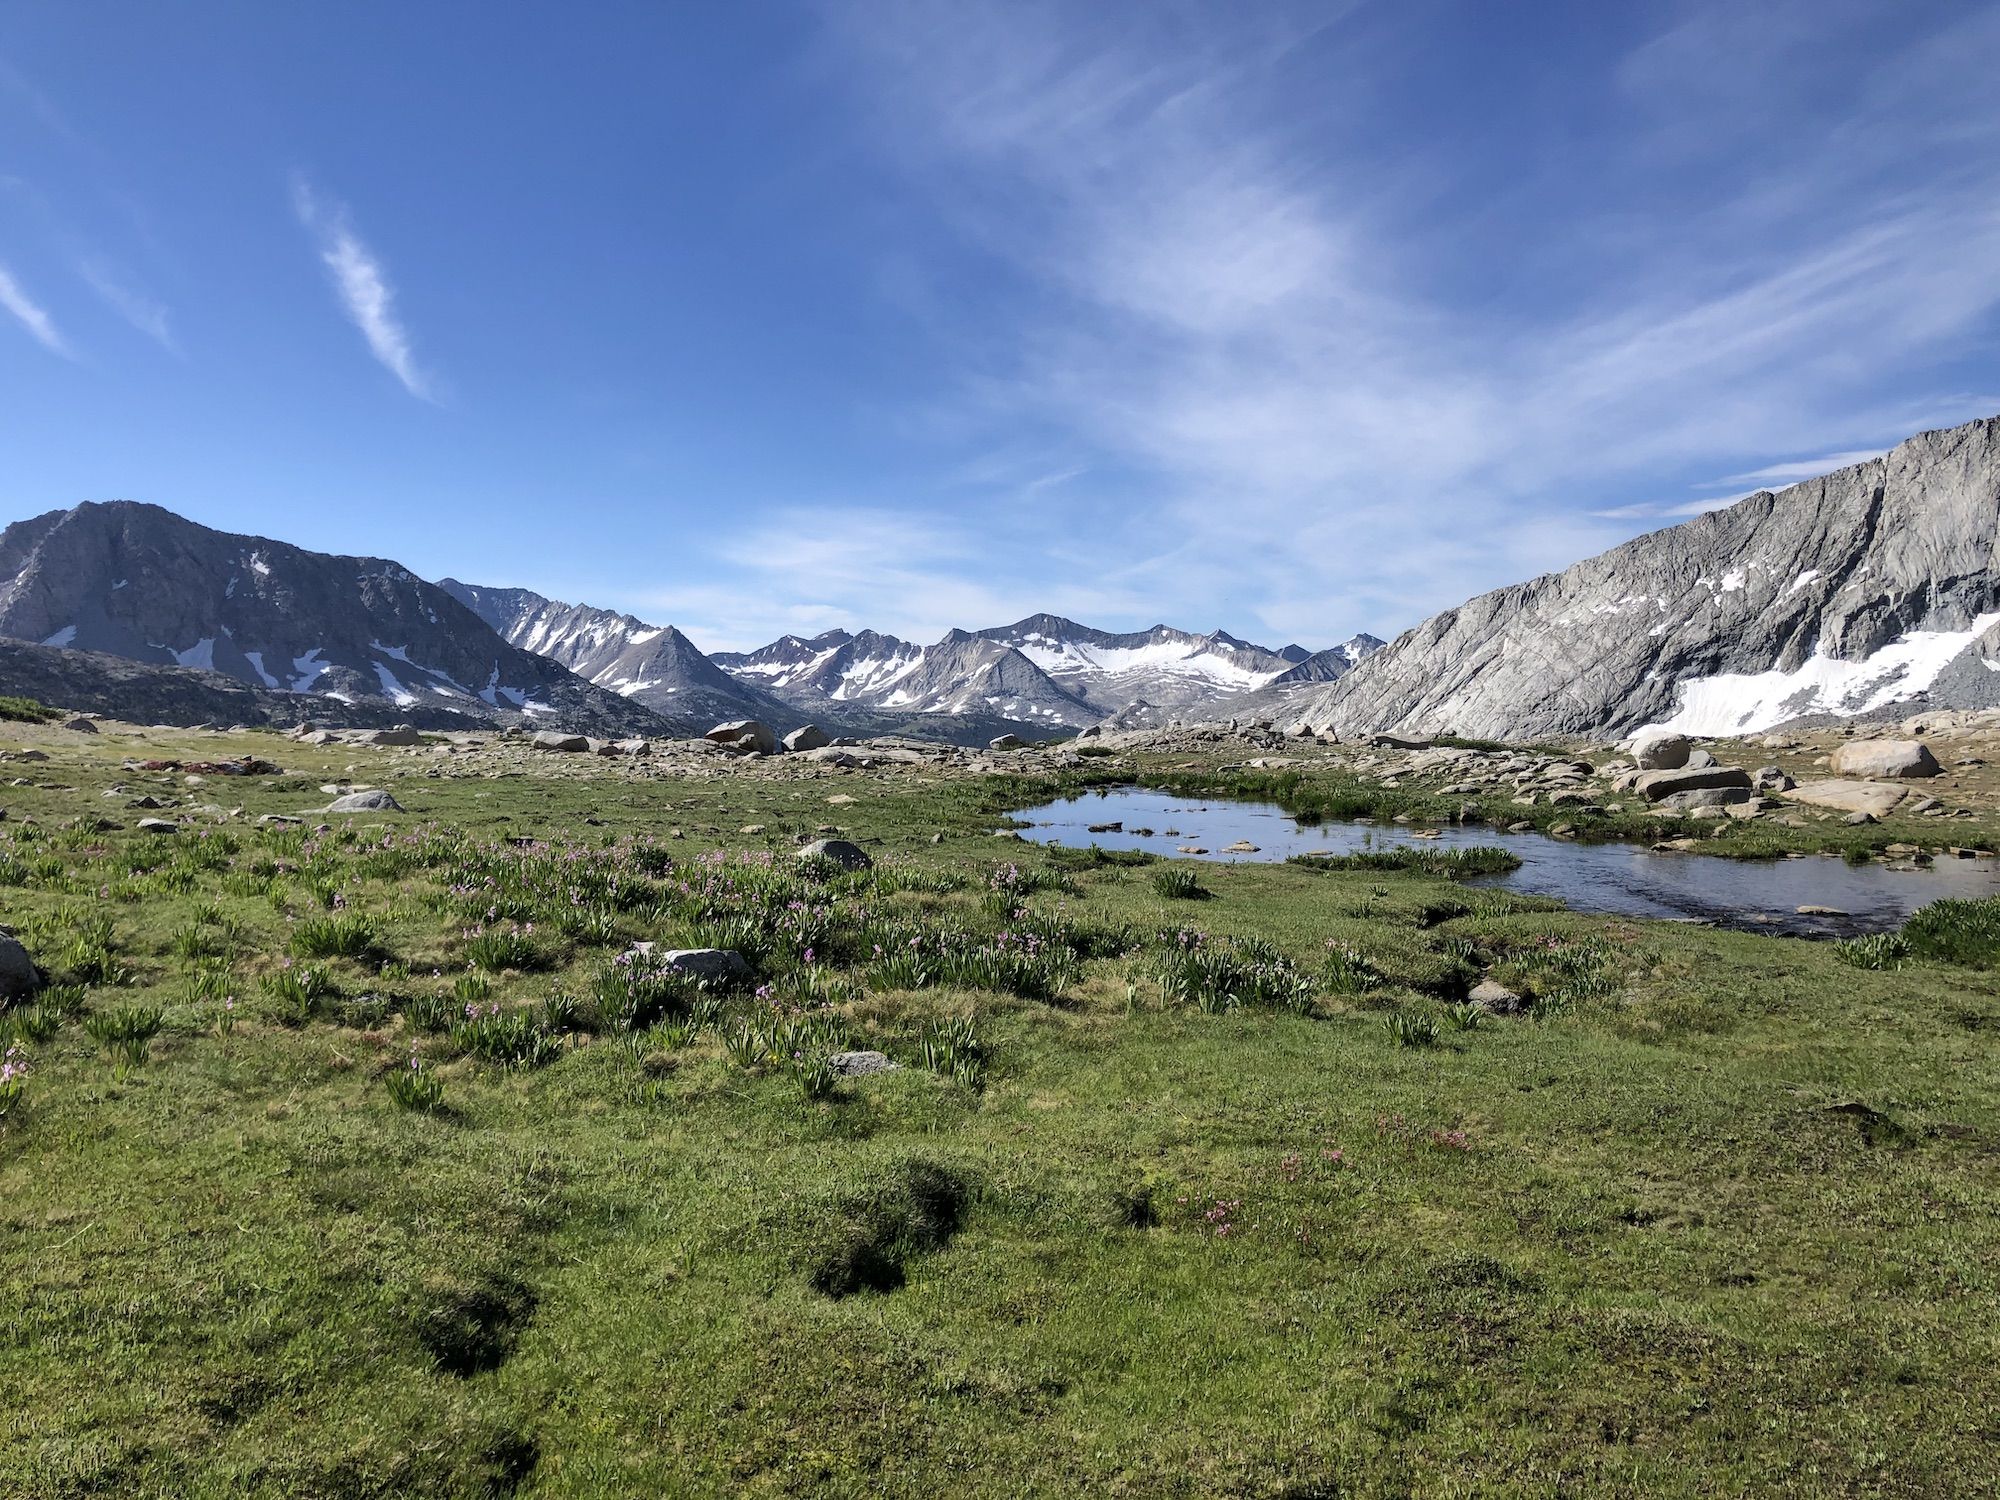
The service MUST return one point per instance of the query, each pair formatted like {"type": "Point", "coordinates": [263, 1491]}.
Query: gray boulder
{"type": "Point", "coordinates": [370, 801]}
{"type": "Point", "coordinates": [745, 734]}
{"type": "Point", "coordinates": [1708, 796]}
{"type": "Point", "coordinates": [1494, 996]}
{"type": "Point", "coordinates": [81, 725]}
{"type": "Point", "coordinates": [402, 734]}
{"type": "Point", "coordinates": [848, 856]}
{"type": "Point", "coordinates": [807, 737]}
{"type": "Point", "coordinates": [1657, 786]}
{"type": "Point", "coordinates": [1896, 759]}
{"type": "Point", "coordinates": [1660, 750]}
{"type": "Point", "coordinates": [1005, 742]}
{"type": "Point", "coordinates": [19, 978]}
{"type": "Point", "coordinates": [707, 963]}
{"type": "Point", "coordinates": [1700, 760]}
{"type": "Point", "coordinates": [158, 825]}
{"type": "Point", "coordinates": [860, 1064]}
{"type": "Point", "coordinates": [555, 741]}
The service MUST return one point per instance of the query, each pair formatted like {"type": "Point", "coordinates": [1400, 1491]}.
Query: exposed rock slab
{"type": "Point", "coordinates": [1874, 798]}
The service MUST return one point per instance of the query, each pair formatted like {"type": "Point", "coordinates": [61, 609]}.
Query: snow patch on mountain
{"type": "Point", "coordinates": [1736, 703]}
{"type": "Point", "coordinates": [1061, 658]}
{"type": "Point", "coordinates": [256, 660]}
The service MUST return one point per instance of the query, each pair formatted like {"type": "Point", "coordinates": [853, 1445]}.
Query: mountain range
{"type": "Point", "coordinates": [1867, 589]}
{"type": "Point", "coordinates": [249, 627]}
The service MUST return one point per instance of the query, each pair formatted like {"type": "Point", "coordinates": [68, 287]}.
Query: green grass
{"type": "Point", "coordinates": [1255, 1206]}
{"type": "Point", "coordinates": [1449, 864]}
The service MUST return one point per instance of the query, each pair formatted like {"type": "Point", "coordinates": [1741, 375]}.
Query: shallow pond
{"type": "Point", "coordinates": [1627, 879]}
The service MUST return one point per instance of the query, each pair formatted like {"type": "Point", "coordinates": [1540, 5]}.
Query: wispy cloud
{"type": "Point", "coordinates": [135, 307]}
{"type": "Point", "coordinates": [804, 570]}
{"type": "Point", "coordinates": [1242, 299]}
{"type": "Point", "coordinates": [1672, 510]}
{"type": "Point", "coordinates": [31, 315]}
{"type": "Point", "coordinates": [362, 285]}
{"type": "Point", "coordinates": [1803, 468]}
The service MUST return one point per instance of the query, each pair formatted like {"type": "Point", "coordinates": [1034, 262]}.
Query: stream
{"type": "Point", "coordinates": [1622, 879]}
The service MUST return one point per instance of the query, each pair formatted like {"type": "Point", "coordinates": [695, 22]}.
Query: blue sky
{"type": "Point", "coordinates": [1291, 319]}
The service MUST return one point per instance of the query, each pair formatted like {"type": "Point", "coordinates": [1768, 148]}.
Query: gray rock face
{"type": "Point", "coordinates": [141, 583]}
{"type": "Point", "coordinates": [19, 978]}
{"type": "Point", "coordinates": [1657, 786]}
{"type": "Point", "coordinates": [371, 801]}
{"type": "Point", "coordinates": [1660, 751]}
{"type": "Point", "coordinates": [1898, 759]}
{"type": "Point", "coordinates": [848, 856]}
{"type": "Point", "coordinates": [1844, 565]}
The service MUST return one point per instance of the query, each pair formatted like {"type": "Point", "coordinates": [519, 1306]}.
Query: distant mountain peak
{"type": "Point", "coordinates": [136, 581]}
{"type": "Point", "coordinates": [655, 665]}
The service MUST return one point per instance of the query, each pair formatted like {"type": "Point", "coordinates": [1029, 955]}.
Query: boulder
{"type": "Point", "coordinates": [1875, 798]}
{"type": "Point", "coordinates": [19, 978]}
{"type": "Point", "coordinates": [807, 737]}
{"type": "Point", "coordinates": [1660, 750]}
{"type": "Point", "coordinates": [402, 734]}
{"type": "Point", "coordinates": [1885, 759]}
{"type": "Point", "coordinates": [1700, 760]}
{"type": "Point", "coordinates": [860, 1064]}
{"type": "Point", "coordinates": [1397, 742]}
{"type": "Point", "coordinates": [761, 739]}
{"type": "Point", "coordinates": [81, 725]}
{"type": "Point", "coordinates": [370, 801]}
{"type": "Point", "coordinates": [1708, 796]}
{"type": "Point", "coordinates": [707, 963]}
{"type": "Point", "coordinates": [1494, 996]}
{"type": "Point", "coordinates": [555, 741]}
{"type": "Point", "coordinates": [848, 856]}
{"type": "Point", "coordinates": [1657, 786]}
{"type": "Point", "coordinates": [1005, 742]}
{"type": "Point", "coordinates": [633, 747]}
{"type": "Point", "coordinates": [158, 825]}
